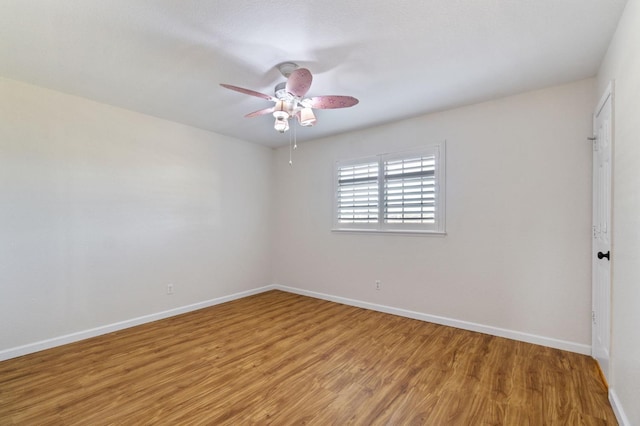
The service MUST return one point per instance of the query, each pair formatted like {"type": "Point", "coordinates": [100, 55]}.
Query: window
{"type": "Point", "coordinates": [398, 192]}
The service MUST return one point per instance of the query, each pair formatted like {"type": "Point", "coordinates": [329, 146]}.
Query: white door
{"type": "Point", "coordinates": [601, 247]}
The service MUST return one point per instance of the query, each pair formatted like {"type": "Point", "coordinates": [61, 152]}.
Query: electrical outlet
{"type": "Point", "coordinates": [169, 288]}
{"type": "Point", "coordinates": [378, 285]}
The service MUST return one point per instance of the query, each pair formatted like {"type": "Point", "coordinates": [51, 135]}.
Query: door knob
{"type": "Point", "coordinates": [601, 255]}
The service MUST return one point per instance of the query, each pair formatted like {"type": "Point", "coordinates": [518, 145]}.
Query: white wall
{"type": "Point", "coordinates": [517, 253]}
{"type": "Point", "coordinates": [101, 208]}
{"type": "Point", "coordinates": [622, 64]}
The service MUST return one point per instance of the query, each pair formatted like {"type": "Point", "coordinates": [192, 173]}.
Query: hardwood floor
{"type": "Point", "coordinates": [279, 358]}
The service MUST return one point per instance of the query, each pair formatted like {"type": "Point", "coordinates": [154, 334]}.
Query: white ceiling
{"type": "Point", "coordinates": [400, 58]}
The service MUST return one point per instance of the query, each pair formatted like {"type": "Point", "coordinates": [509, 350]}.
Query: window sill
{"type": "Point", "coordinates": [415, 232]}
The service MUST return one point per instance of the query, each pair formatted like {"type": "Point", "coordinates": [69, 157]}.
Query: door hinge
{"type": "Point", "coordinates": [593, 316]}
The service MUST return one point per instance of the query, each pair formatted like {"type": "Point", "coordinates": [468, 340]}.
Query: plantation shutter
{"type": "Point", "coordinates": [357, 193]}
{"type": "Point", "coordinates": [395, 192]}
{"type": "Point", "coordinates": [410, 190]}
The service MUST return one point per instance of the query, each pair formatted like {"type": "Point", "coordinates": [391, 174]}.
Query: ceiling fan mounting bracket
{"type": "Point", "coordinates": [286, 68]}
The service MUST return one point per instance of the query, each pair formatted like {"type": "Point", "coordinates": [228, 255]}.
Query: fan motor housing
{"type": "Point", "coordinates": [281, 91]}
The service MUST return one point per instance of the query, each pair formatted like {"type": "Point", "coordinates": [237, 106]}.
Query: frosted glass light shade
{"type": "Point", "coordinates": [281, 125]}
{"type": "Point", "coordinates": [280, 111]}
{"type": "Point", "coordinates": [307, 118]}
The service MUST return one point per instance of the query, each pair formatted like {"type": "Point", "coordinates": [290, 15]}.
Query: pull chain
{"type": "Point", "coordinates": [295, 137]}
{"type": "Point", "coordinates": [290, 150]}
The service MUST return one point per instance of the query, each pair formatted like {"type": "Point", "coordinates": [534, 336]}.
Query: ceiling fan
{"type": "Point", "coordinates": [290, 101]}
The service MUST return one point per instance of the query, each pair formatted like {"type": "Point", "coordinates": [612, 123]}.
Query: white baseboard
{"type": "Point", "coordinates": [622, 418]}
{"type": "Point", "coordinates": [465, 325]}
{"type": "Point", "coordinates": [109, 328]}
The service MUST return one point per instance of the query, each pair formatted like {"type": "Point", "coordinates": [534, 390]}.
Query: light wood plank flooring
{"type": "Point", "coordinates": [279, 358]}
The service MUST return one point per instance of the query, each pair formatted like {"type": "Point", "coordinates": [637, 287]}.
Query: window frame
{"type": "Point", "coordinates": [381, 226]}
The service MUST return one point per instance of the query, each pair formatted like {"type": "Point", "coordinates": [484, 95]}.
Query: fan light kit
{"type": "Point", "coordinates": [290, 101]}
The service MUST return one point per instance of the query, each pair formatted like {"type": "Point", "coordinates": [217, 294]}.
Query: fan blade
{"type": "Point", "coordinates": [259, 112]}
{"type": "Point", "coordinates": [330, 102]}
{"type": "Point", "coordinates": [248, 92]}
{"type": "Point", "coordinates": [299, 82]}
